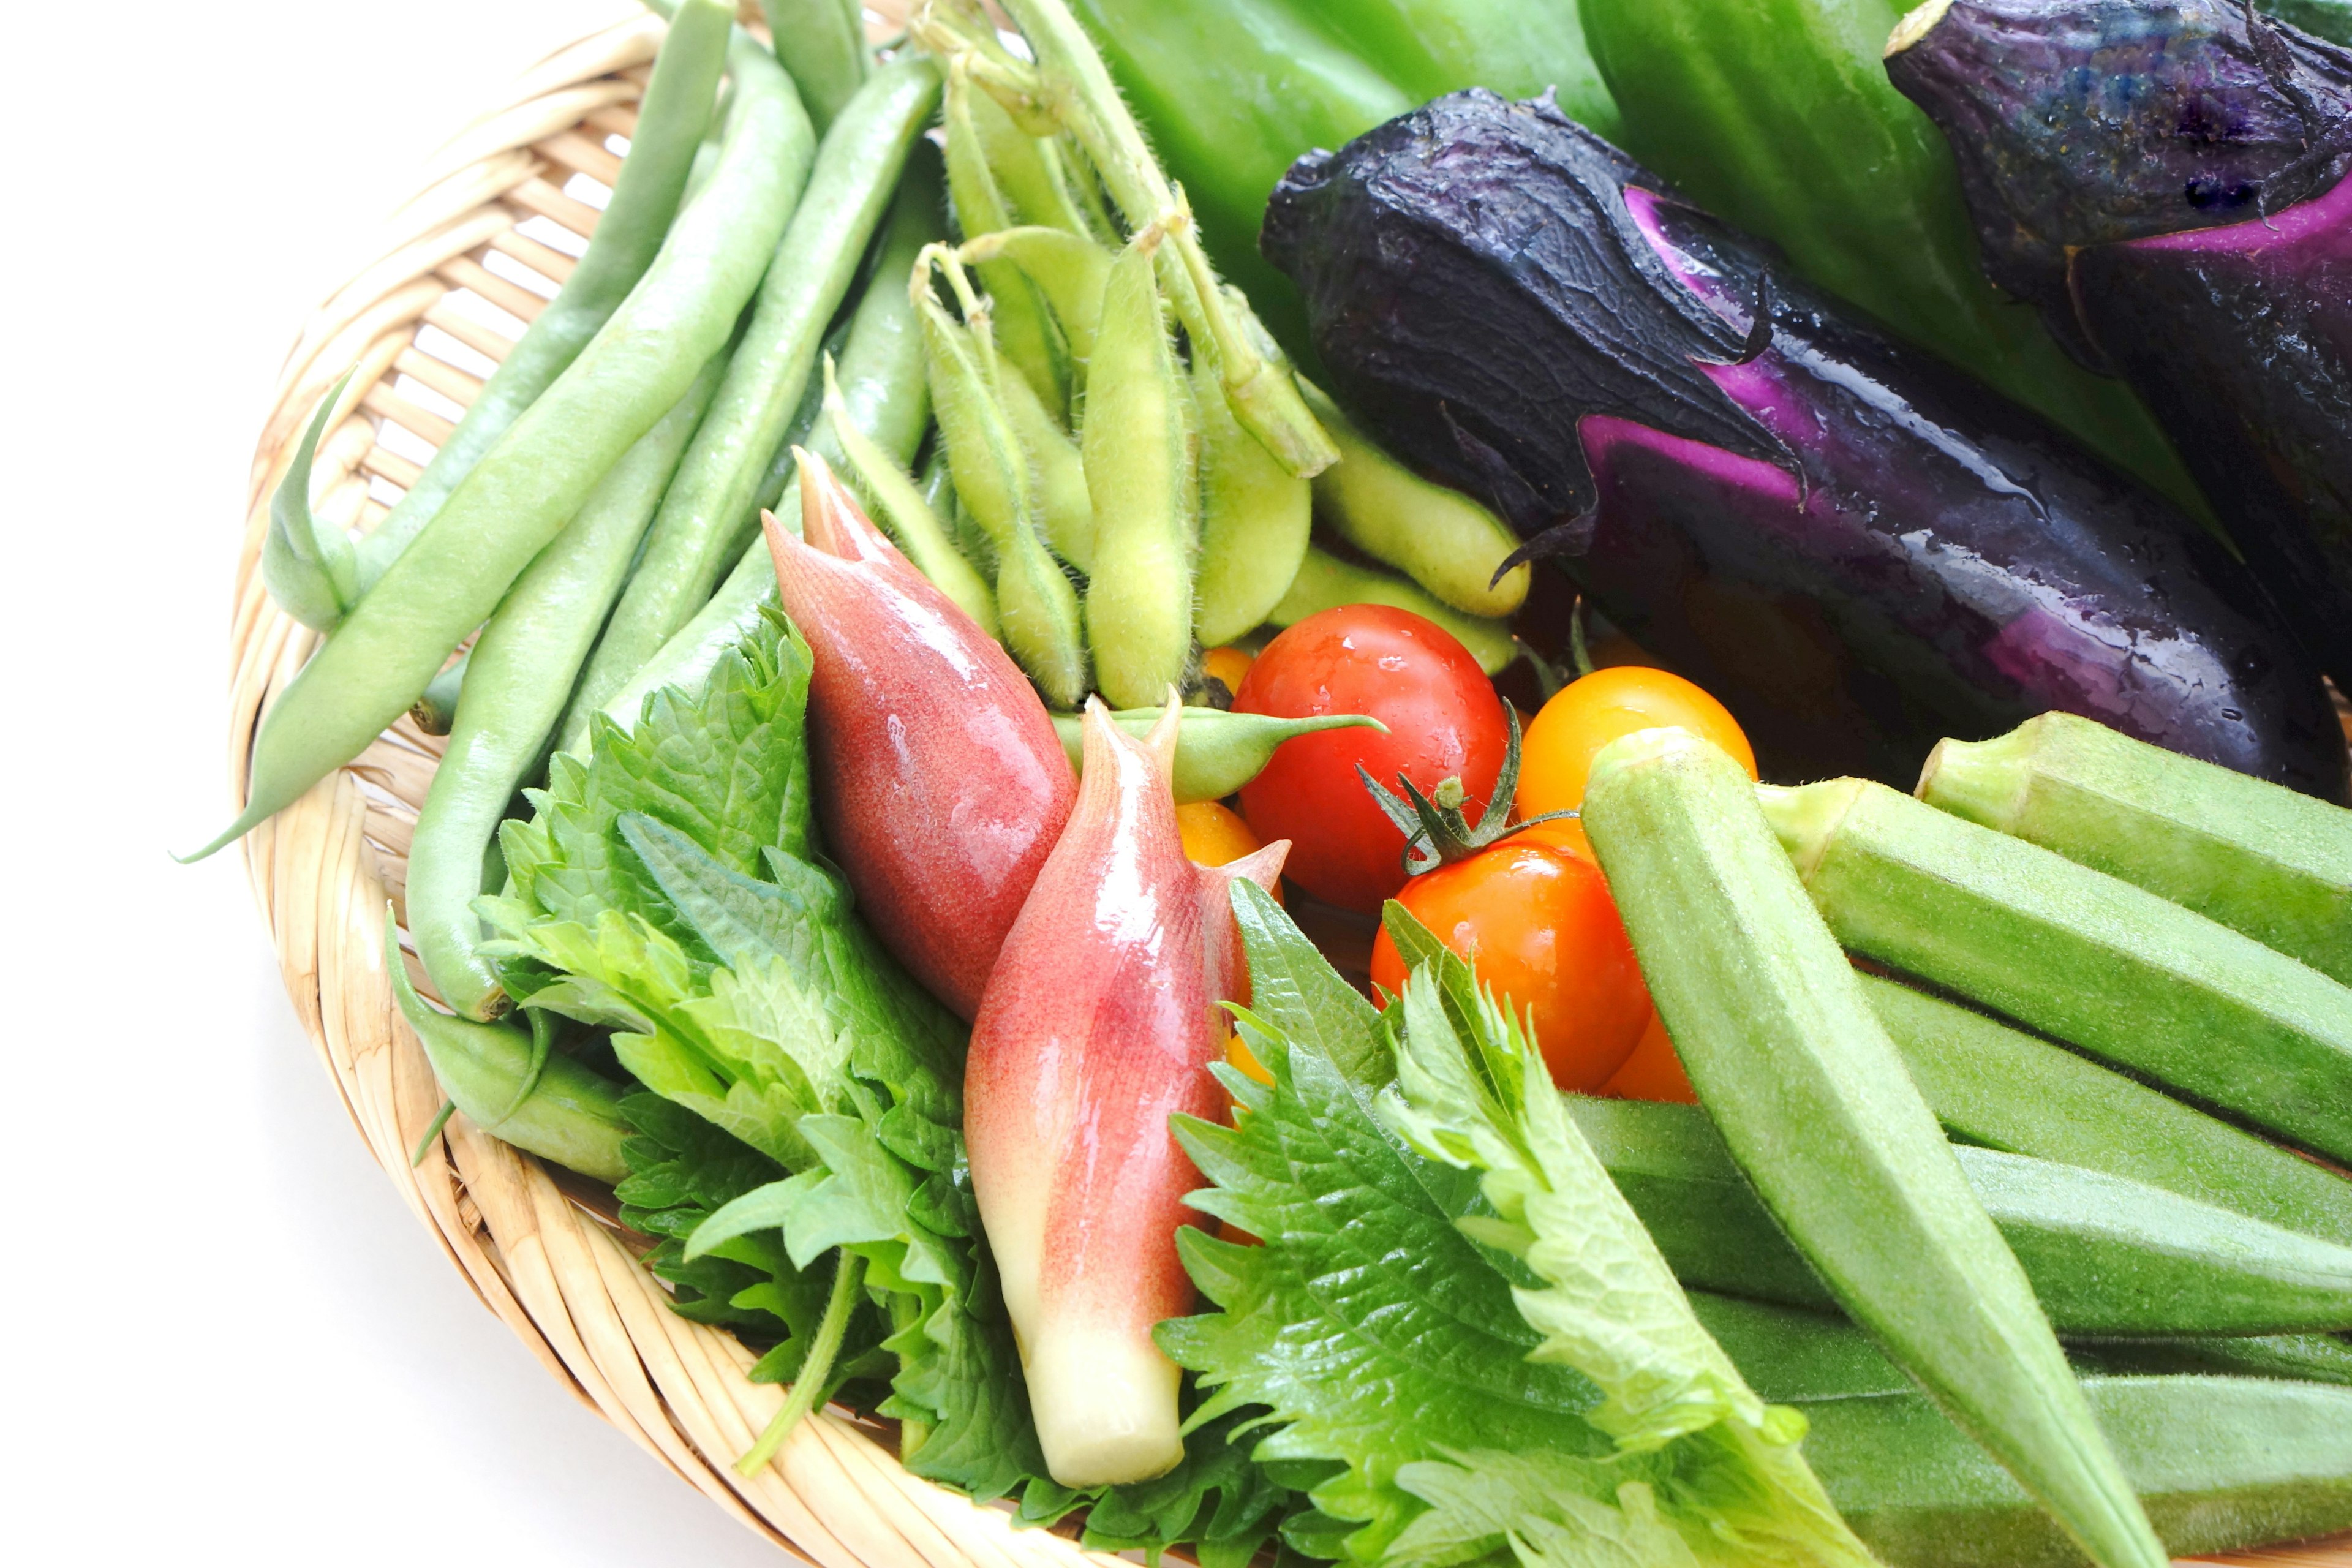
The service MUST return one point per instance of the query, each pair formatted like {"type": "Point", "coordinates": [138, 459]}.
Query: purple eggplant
{"type": "Point", "coordinates": [2171, 183]}
{"type": "Point", "coordinates": [1859, 550]}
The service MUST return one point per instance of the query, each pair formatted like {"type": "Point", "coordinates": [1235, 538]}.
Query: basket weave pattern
{"type": "Point", "coordinates": [542, 1250]}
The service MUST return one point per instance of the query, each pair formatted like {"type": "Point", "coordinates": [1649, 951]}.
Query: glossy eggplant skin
{"type": "Point", "coordinates": [2171, 183]}
{"type": "Point", "coordinates": [1859, 550]}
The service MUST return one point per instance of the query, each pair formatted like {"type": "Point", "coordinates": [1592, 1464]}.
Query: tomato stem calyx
{"type": "Point", "coordinates": [1436, 831]}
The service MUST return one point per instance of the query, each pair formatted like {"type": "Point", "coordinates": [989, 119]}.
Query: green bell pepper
{"type": "Point", "coordinates": [1777, 115]}
{"type": "Point", "coordinates": [1517, 48]}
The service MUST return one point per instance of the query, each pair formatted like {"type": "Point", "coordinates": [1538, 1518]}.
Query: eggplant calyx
{"type": "Point", "coordinates": [1436, 831]}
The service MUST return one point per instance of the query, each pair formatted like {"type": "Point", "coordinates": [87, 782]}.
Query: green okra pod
{"type": "Point", "coordinates": [572, 1113]}
{"type": "Point", "coordinates": [1813, 1103]}
{"type": "Point", "coordinates": [1324, 582]}
{"type": "Point", "coordinates": [1217, 751]}
{"type": "Point", "coordinates": [2080, 956]}
{"type": "Point", "coordinates": [646, 199]}
{"type": "Point", "coordinates": [1993, 1086]}
{"type": "Point", "coordinates": [2259, 858]}
{"type": "Point", "coordinates": [1139, 441]}
{"type": "Point", "coordinates": [822, 44]}
{"type": "Point", "coordinates": [2105, 1256]}
{"type": "Point", "coordinates": [1255, 518]}
{"type": "Point", "coordinates": [2302, 1358]}
{"type": "Point", "coordinates": [517, 675]}
{"type": "Point", "coordinates": [1438, 537]}
{"type": "Point", "coordinates": [524, 491]}
{"type": "Point", "coordinates": [899, 505]}
{"type": "Point", "coordinates": [711, 510]}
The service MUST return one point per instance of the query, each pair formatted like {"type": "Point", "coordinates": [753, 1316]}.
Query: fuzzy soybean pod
{"type": "Point", "coordinates": [1065, 513]}
{"type": "Point", "coordinates": [1815, 1104]}
{"type": "Point", "coordinates": [881, 378]}
{"type": "Point", "coordinates": [1069, 269]}
{"type": "Point", "coordinates": [1438, 537]}
{"type": "Point", "coordinates": [645, 198]}
{"type": "Point", "coordinates": [1026, 332]}
{"type": "Point", "coordinates": [1325, 582]}
{"type": "Point", "coordinates": [517, 678]}
{"type": "Point", "coordinates": [521, 495]}
{"type": "Point", "coordinates": [1139, 441]}
{"type": "Point", "coordinates": [822, 44]}
{"type": "Point", "coordinates": [1255, 518]}
{"type": "Point", "coordinates": [913, 526]}
{"type": "Point", "coordinates": [709, 513]}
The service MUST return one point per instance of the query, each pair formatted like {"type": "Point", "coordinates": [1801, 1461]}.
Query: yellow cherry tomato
{"type": "Point", "coordinates": [1215, 835]}
{"type": "Point", "coordinates": [1244, 1060]}
{"type": "Point", "coordinates": [1556, 756]}
{"type": "Point", "coordinates": [1227, 665]}
{"type": "Point", "coordinates": [1654, 1071]}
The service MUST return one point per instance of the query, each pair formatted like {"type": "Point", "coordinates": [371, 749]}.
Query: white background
{"type": "Point", "coordinates": [225, 1338]}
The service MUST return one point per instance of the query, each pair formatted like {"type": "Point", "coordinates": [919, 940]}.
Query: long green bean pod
{"type": "Point", "coordinates": [534, 481]}
{"type": "Point", "coordinates": [1140, 443]}
{"type": "Point", "coordinates": [645, 201]}
{"type": "Point", "coordinates": [709, 506]}
{"type": "Point", "coordinates": [517, 678]}
{"type": "Point", "coordinates": [1815, 1104]}
{"type": "Point", "coordinates": [883, 393]}
{"type": "Point", "coordinates": [309, 567]}
{"type": "Point", "coordinates": [822, 44]}
{"type": "Point", "coordinates": [435, 711]}
{"type": "Point", "coordinates": [572, 1114]}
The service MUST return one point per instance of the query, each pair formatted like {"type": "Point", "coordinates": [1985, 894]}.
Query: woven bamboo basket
{"type": "Point", "coordinates": [542, 1249]}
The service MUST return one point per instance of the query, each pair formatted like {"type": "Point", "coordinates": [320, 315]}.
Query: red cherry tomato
{"type": "Point", "coordinates": [1445, 722]}
{"type": "Point", "coordinates": [1542, 929]}
{"type": "Point", "coordinates": [1654, 1071]}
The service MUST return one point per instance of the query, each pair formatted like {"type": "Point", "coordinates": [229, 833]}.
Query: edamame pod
{"type": "Point", "coordinates": [517, 678]}
{"type": "Point", "coordinates": [1217, 751]}
{"type": "Point", "coordinates": [2079, 955]}
{"type": "Point", "coordinates": [629, 234]}
{"type": "Point", "coordinates": [1325, 582]}
{"type": "Point", "coordinates": [914, 526]}
{"type": "Point", "coordinates": [1068, 269]}
{"type": "Point", "coordinates": [2259, 859]}
{"type": "Point", "coordinates": [571, 1115]}
{"type": "Point", "coordinates": [1255, 518]}
{"type": "Point", "coordinates": [1065, 512]}
{"type": "Point", "coordinates": [1438, 537]}
{"type": "Point", "coordinates": [534, 481]}
{"type": "Point", "coordinates": [822, 44]}
{"type": "Point", "coordinates": [882, 389]}
{"type": "Point", "coordinates": [1813, 1103]}
{"type": "Point", "coordinates": [709, 510]}
{"type": "Point", "coordinates": [1025, 334]}
{"type": "Point", "coordinates": [1991, 1085]}
{"type": "Point", "coordinates": [1139, 442]}
{"type": "Point", "coordinates": [1037, 610]}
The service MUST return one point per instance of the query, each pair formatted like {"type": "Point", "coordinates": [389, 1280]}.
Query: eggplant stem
{"type": "Point", "coordinates": [816, 1367]}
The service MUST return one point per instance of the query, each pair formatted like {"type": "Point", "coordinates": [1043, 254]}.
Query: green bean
{"type": "Point", "coordinates": [882, 392]}
{"type": "Point", "coordinates": [822, 44]}
{"type": "Point", "coordinates": [1140, 444]}
{"type": "Point", "coordinates": [1255, 518]}
{"type": "Point", "coordinates": [311, 569]}
{"type": "Point", "coordinates": [523, 492]}
{"type": "Point", "coordinates": [1325, 582]}
{"type": "Point", "coordinates": [437, 710]}
{"type": "Point", "coordinates": [710, 504]}
{"type": "Point", "coordinates": [517, 678]}
{"type": "Point", "coordinates": [899, 504]}
{"type": "Point", "coordinates": [571, 1115]}
{"type": "Point", "coordinates": [1438, 537]}
{"type": "Point", "coordinates": [645, 198]}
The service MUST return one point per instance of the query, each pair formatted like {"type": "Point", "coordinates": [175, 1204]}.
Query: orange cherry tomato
{"type": "Point", "coordinates": [1654, 1071]}
{"type": "Point", "coordinates": [1227, 665]}
{"type": "Point", "coordinates": [1541, 928]}
{"type": "Point", "coordinates": [1215, 835]}
{"type": "Point", "coordinates": [1555, 757]}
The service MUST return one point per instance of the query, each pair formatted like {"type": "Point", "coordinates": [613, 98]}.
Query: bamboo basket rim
{"type": "Point", "coordinates": [544, 1250]}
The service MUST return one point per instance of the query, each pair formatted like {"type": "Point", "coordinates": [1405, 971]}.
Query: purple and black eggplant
{"type": "Point", "coordinates": [1858, 548]}
{"type": "Point", "coordinates": [2171, 183]}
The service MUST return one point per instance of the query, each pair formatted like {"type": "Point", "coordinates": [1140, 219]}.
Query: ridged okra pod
{"type": "Point", "coordinates": [1438, 537]}
{"type": "Point", "coordinates": [1139, 441]}
{"type": "Point", "coordinates": [2269, 862]}
{"type": "Point", "coordinates": [1324, 582]}
{"type": "Point", "coordinates": [1255, 518]}
{"type": "Point", "coordinates": [2077, 955]}
{"type": "Point", "coordinates": [1994, 1086]}
{"type": "Point", "coordinates": [1217, 752]}
{"type": "Point", "coordinates": [1812, 1101]}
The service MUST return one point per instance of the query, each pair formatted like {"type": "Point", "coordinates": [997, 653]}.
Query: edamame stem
{"type": "Point", "coordinates": [710, 504]}
{"type": "Point", "coordinates": [523, 492]}
{"type": "Point", "coordinates": [883, 391]}
{"type": "Point", "coordinates": [645, 197]}
{"type": "Point", "coordinates": [521, 670]}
